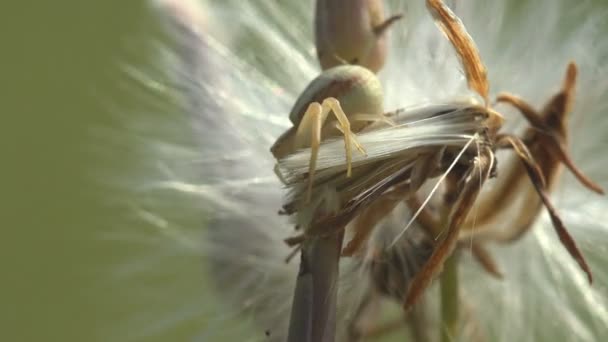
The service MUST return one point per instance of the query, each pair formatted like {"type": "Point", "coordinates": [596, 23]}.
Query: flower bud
{"type": "Point", "coordinates": [351, 31]}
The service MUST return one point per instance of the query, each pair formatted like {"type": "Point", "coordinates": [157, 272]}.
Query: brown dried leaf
{"type": "Point", "coordinates": [464, 45]}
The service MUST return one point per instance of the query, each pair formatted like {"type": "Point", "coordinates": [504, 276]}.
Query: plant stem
{"type": "Point", "coordinates": [313, 312]}
{"type": "Point", "coordinates": [449, 299]}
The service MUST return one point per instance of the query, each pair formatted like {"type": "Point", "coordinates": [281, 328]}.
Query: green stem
{"type": "Point", "coordinates": [449, 299]}
{"type": "Point", "coordinates": [313, 312]}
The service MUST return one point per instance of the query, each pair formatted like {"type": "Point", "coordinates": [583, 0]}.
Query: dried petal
{"type": "Point", "coordinates": [474, 69]}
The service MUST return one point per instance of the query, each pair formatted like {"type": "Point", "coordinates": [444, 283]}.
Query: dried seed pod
{"type": "Point", "coordinates": [351, 31]}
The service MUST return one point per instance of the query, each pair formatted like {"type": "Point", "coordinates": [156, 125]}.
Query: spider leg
{"type": "Point", "coordinates": [308, 133]}
{"type": "Point", "coordinates": [333, 105]}
{"type": "Point", "coordinates": [373, 118]}
{"type": "Point", "coordinates": [338, 126]}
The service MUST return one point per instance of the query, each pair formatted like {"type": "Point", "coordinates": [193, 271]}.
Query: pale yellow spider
{"type": "Point", "coordinates": [352, 93]}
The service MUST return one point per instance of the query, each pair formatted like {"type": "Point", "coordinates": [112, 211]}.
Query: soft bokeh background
{"type": "Point", "coordinates": [76, 240]}
{"type": "Point", "coordinates": [61, 81]}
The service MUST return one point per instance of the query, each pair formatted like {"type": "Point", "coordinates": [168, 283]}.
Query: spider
{"type": "Point", "coordinates": [460, 149]}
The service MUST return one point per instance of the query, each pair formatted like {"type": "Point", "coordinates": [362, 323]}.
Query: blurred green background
{"type": "Point", "coordinates": [60, 64]}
